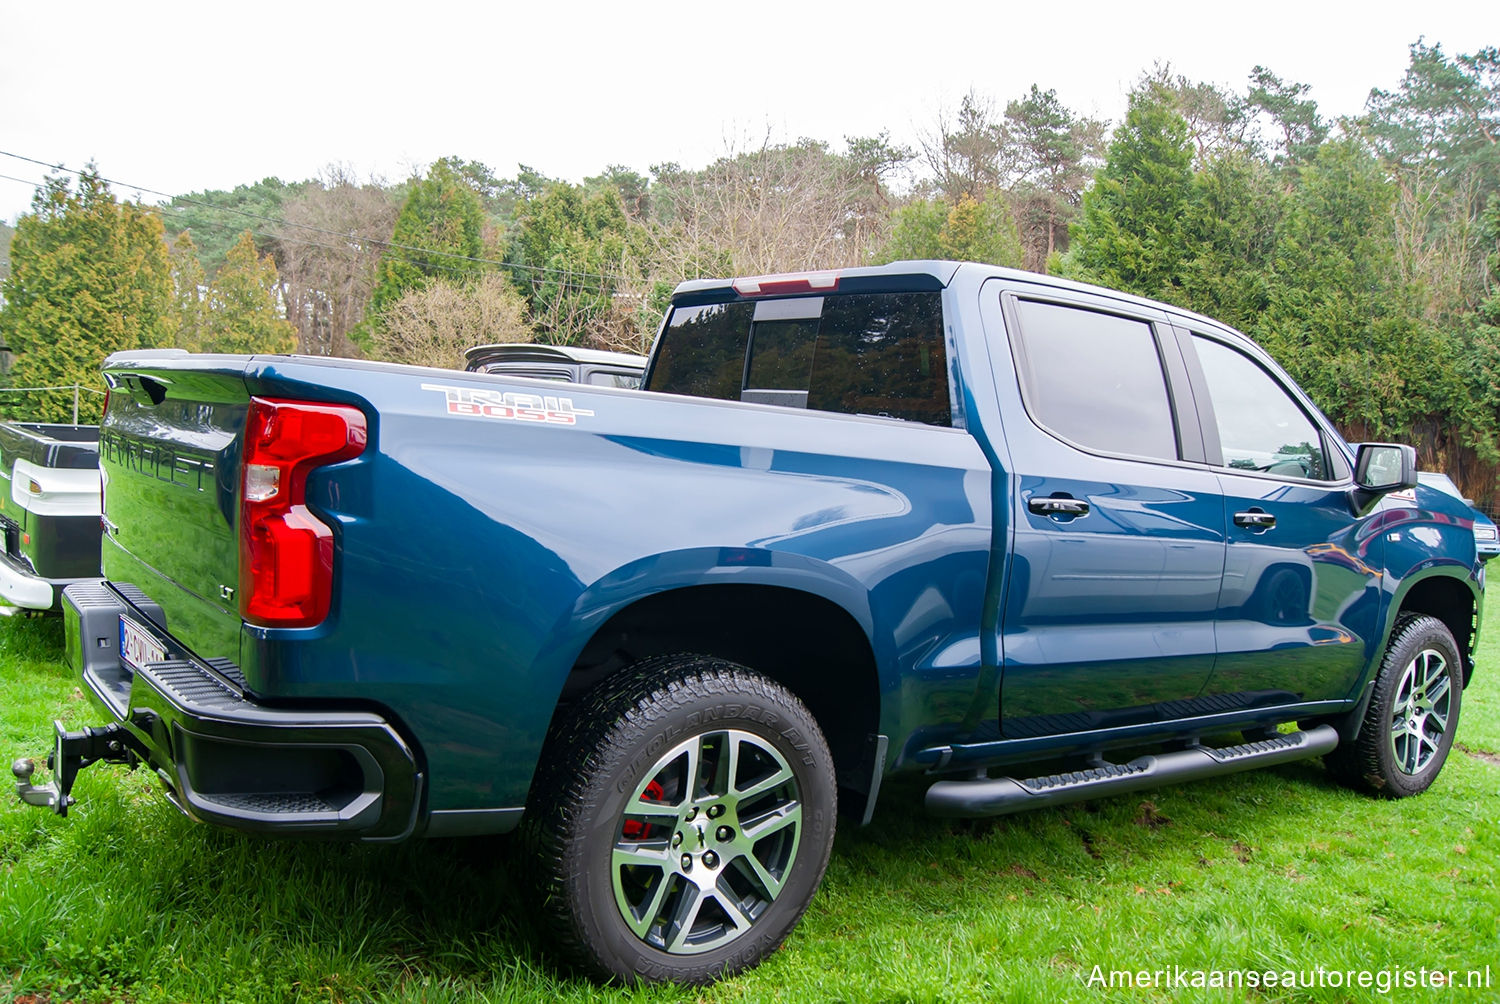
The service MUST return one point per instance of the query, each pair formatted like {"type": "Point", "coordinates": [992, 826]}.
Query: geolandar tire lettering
{"type": "Point", "coordinates": [1408, 728]}
{"type": "Point", "coordinates": [683, 823]}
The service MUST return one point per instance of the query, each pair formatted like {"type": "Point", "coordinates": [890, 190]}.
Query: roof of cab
{"type": "Point", "coordinates": [898, 276]}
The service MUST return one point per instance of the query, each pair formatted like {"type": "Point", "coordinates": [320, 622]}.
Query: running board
{"type": "Point", "coordinates": [998, 796]}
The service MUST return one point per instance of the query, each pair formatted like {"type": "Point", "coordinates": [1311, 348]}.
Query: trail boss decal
{"type": "Point", "coordinates": [509, 405]}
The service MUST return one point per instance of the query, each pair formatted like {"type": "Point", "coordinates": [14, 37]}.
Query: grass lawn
{"type": "Point", "coordinates": [125, 900]}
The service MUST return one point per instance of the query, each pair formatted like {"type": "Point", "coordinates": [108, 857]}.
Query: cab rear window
{"type": "Point", "coordinates": [876, 354]}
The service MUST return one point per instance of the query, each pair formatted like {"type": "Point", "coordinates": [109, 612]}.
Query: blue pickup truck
{"type": "Point", "coordinates": [1039, 541]}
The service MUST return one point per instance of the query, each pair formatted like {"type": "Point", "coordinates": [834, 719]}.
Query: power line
{"type": "Point", "coordinates": [353, 237]}
{"type": "Point", "coordinates": [25, 181]}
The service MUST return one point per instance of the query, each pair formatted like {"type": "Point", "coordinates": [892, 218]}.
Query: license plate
{"type": "Point", "coordinates": [137, 647]}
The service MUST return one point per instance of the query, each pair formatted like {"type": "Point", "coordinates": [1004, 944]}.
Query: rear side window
{"type": "Point", "coordinates": [859, 354]}
{"type": "Point", "coordinates": [1095, 379]}
{"type": "Point", "coordinates": [702, 351]}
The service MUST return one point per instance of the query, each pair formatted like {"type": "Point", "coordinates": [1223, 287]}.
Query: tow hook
{"type": "Point", "coordinates": [72, 752]}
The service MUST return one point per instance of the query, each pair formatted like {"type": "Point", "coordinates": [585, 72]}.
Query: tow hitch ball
{"type": "Point", "coordinates": [72, 752]}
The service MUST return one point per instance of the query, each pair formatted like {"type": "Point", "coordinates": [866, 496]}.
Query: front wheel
{"type": "Point", "coordinates": [1408, 729]}
{"type": "Point", "coordinates": [684, 820]}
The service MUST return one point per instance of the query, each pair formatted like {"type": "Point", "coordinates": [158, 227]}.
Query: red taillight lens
{"type": "Point", "coordinates": [286, 553]}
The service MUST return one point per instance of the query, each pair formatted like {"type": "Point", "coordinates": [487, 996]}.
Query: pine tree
{"type": "Point", "coordinates": [964, 230]}
{"type": "Point", "coordinates": [565, 257]}
{"type": "Point", "coordinates": [1339, 315]}
{"type": "Point", "coordinates": [442, 215]}
{"type": "Point", "coordinates": [89, 276]}
{"type": "Point", "coordinates": [1479, 366]}
{"type": "Point", "coordinates": [1230, 232]}
{"type": "Point", "coordinates": [190, 286]}
{"type": "Point", "coordinates": [242, 315]}
{"type": "Point", "coordinates": [1130, 236]}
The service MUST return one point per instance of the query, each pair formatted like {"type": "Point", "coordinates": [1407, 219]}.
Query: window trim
{"type": "Point", "coordinates": [1208, 416]}
{"type": "Point", "coordinates": [1175, 378]}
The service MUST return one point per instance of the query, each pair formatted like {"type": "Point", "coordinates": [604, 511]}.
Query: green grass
{"type": "Point", "coordinates": [126, 900]}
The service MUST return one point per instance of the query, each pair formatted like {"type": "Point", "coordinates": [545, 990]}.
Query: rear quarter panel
{"type": "Point", "coordinates": [480, 551]}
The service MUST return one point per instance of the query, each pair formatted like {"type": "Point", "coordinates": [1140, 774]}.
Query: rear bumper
{"type": "Point", "coordinates": [21, 588]}
{"type": "Point", "coordinates": [38, 563]}
{"type": "Point", "coordinates": [229, 759]}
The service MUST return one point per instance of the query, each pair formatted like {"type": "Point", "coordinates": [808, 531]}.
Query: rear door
{"type": "Point", "coordinates": [1119, 531]}
{"type": "Point", "coordinates": [1299, 612]}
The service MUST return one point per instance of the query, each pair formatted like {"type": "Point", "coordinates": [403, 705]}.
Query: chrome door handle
{"type": "Point", "coordinates": [1058, 506]}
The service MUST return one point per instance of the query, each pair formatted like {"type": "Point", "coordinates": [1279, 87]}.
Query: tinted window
{"type": "Point", "coordinates": [1096, 380]}
{"type": "Point", "coordinates": [1260, 427]}
{"type": "Point", "coordinates": [702, 351]}
{"type": "Point", "coordinates": [863, 354]}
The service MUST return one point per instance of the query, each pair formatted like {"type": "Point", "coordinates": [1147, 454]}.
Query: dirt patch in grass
{"type": "Point", "coordinates": [1150, 817]}
{"type": "Point", "coordinates": [1489, 758]}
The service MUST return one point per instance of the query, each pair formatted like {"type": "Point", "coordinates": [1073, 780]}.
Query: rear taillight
{"type": "Point", "coordinates": [286, 553]}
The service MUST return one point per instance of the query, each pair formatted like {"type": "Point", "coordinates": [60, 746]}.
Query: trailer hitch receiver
{"type": "Point", "coordinates": [72, 752]}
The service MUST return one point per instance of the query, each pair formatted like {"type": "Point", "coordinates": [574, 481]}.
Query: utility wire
{"type": "Point", "coordinates": [320, 230]}
{"type": "Point", "coordinates": [24, 181]}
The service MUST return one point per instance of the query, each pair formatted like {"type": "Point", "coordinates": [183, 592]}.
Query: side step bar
{"type": "Point", "coordinates": [999, 796]}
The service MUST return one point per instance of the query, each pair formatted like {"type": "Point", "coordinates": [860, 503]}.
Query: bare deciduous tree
{"type": "Point", "coordinates": [775, 209]}
{"type": "Point", "coordinates": [971, 154]}
{"type": "Point", "coordinates": [433, 325]}
{"type": "Point", "coordinates": [334, 234]}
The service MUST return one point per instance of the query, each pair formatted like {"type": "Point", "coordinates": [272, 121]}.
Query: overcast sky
{"type": "Point", "coordinates": [179, 97]}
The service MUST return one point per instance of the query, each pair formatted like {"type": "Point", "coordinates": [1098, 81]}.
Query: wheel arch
{"type": "Point", "coordinates": [806, 642]}
{"type": "Point", "coordinates": [1452, 600]}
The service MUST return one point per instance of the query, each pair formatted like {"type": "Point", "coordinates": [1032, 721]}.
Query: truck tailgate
{"type": "Point", "coordinates": [169, 453]}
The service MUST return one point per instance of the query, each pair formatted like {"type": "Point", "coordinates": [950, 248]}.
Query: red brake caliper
{"type": "Point", "coordinates": [634, 829]}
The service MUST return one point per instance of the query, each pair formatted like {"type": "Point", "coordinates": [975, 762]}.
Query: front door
{"type": "Point", "coordinates": [1299, 612]}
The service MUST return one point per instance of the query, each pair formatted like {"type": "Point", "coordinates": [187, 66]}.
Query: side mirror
{"type": "Point", "coordinates": [1385, 467]}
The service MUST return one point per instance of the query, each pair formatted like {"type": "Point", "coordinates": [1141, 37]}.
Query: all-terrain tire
{"type": "Point", "coordinates": [682, 818]}
{"type": "Point", "coordinates": [1408, 728]}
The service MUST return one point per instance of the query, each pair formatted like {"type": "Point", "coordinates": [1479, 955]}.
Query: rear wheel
{"type": "Point", "coordinates": [1408, 729]}
{"type": "Point", "coordinates": [684, 821]}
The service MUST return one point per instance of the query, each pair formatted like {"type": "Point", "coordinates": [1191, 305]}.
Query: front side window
{"type": "Point", "coordinates": [1261, 428]}
{"type": "Point", "coordinates": [1095, 379]}
{"type": "Point", "coordinates": [879, 354]}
